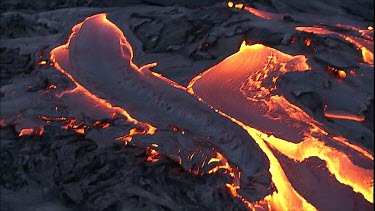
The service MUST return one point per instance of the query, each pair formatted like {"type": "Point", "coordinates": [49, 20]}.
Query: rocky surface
{"type": "Point", "coordinates": [62, 170]}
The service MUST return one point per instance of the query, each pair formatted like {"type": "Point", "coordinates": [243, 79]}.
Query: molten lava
{"type": "Point", "coordinates": [31, 131]}
{"type": "Point", "coordinates": [149, 129]}
{"type": "Point", "coordinates": [213, 141]}
{"type": "Point", "coordinates": [256, 12]}
{"type": "Point", "coordinates": [364, 45]}
{"type": "Point", "coordinates": [173, 123]}
{"type": "Point", "coordinates": [249, 79]}
{"type": "Point", "coordinates": [346, 116]}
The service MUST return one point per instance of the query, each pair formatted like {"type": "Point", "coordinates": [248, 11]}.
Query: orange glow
{"type": "Point", "coordinates": [308, 42]}
{"type": "Point", "coordinates": [258, 53]}
{"type": "Point", "coordinates": [153, 155]}
{"type": "Point", "coordinates": [51, 86]}
{"type": "Point", "coordinates": [128, 138]}
{"type": "Point", "coordinates": [80, 89]}
{"type": "Point", "coordinates": [61, 52]}
{"type": "Point", "coordinates": [42, 62]}
{"type": "Point", "coordinates": [370, 28]}
{"type": "Point", "coordinates": [26, 131]}
{"type": "Point", "coordinates": [73, 125]}
{"type": "Point", "coordinates": [100, 124]}
{"type": "Point", "coordinates": [233, 191]}
{"type": "Point", "coordinates": [230, 4]}
{"type": "Point", "coordinates": [338, 163]}
{"type": "Point", "coordinates": [239, 6]}
{"type": "Point", "coordinates": [223, 164]}
{"type": "Point", "coordinates": [341, 73]}
{"type": "Point", "coordinates": [259, 13]}
{"type": "Point", "coordinates": [176, 129]}
{"type": "Point", "coordinates": [341, 115]}
{"type": "Point", "coordinates": [170, 82]}
{"type": "Point", "coordinates": [314, 29]}
{"type": "Point", "coordinates": [79, 131]}
{"type": "Point", "coordinates": [31, 131]}
{"type": "Point", "coordinates": [298, 113]}
{"type": "Point", "coordinates": [49, 119]}
{"type": "Point", "coordinates": [355, 147]}
{"type": "Point", "coordinates": [70, 123]}
{"type": "Point", "coordinates": [353, 73]}
{"type": "Point", "coordinates": [367, 55]}
{"type": "Point", "coordinates": [286, 197]}
{"type": "Point", "coordinates": [154, 145]}
{"type": "Point", "coordinates": [363, 45]}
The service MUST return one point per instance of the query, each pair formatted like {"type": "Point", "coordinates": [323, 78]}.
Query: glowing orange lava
{"type": "Point", "coordinates": [42, 62]}
{"type": "Point", "coordinates": [340, 73]}
{"type": "Point", "coordinates": [100, 124]}
{"type": "Point", "coordinates": [153, 155]}
{"type": "Point", "coordinates": [259, 13]}
{"type": "Point", "coordinates": [149, 129]}
{"type": "Point", "coordinates": [286, 197]}
{"type": "Point", "coordinates": [346, 116]}
{"type": "Point", "coordinates": [31, 131]}
{"type": "Point", "coordinates": [239, 6]}
{"type": "Point", "coordinates": [271, 108]}
{"type": "Point", "coordinates": [251, 59]}
{"type": "Point", "coordinates": [230, 4]}
{"type": "Point", "coordinates": [60, 58]}
{"type": "Point", "coordinates": [338, 163]}
{"type": "Point", "coordinates": [128, 138]}
{"type": "Point", "coordinates": [363, 45]}
{"type": "Point", "coordinates": [308, 42]}
{"type": "Point", "coordinates": [256, 12]}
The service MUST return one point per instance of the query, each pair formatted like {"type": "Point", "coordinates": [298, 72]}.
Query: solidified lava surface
{"type": "Point", "coordinates": [186, 105]}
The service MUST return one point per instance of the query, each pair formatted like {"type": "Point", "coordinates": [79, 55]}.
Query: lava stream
{"type": "Point", "coordinates": [363, 45]}
{"type": "Point", "coordinates": [271, 113]}
{"type": "Point", "coordinates": [211, 138]}
{"type": "Point", "coordinates": [249, 68]}
{"type": "Point", "coordinates": [338, 163]}
{"type": "Point", "coordinates": [286, 197]}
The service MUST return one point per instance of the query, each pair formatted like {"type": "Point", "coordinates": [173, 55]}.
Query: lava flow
{"type": "Point", "coordinates": [238, 132]}
{"type": "Point", "coordinates": [31, 131]}
{"type": "Point", "coordinates": [259, 13]}
{"type": "Point", "coordinates": [62, 54]}
{"type": "Point", "coordinates": [250, 76]}
{"type": "Point", "coordinates": [149, 129]}
{"type": "Point", "coordinates": [212, 142]}
{"type": "Point", "coordinates": [364, 43]}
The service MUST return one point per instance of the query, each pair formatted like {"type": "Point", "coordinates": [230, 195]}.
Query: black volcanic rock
{"type": "Point", "coordinates": [81, 175]}
{"type": "Point", "coordinates": [174, 34]}
{"type": "Point", "coordinates": [161, 2]}
{"type": "Point", "coordinates": [12, 63]}
{"type": "Point", "coordinates": [265, 36]}
{"type": "Point", "coordinates": [62, 170]}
